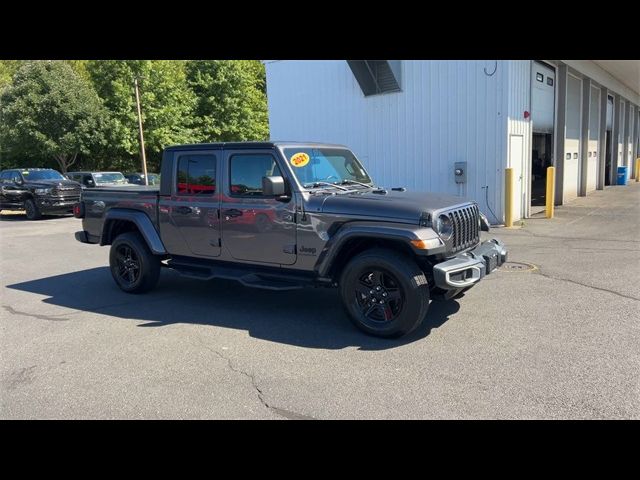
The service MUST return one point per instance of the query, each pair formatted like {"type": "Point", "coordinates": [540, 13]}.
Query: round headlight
{"type": "Point", "coordinates": [445, 227]}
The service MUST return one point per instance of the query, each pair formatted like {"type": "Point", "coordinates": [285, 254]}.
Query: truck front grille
{"type": "Point", "coordinates": [466, 229]}
{"type": "Point", "coordinates": [66, 192]}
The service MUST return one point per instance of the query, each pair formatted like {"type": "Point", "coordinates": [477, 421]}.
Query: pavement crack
{"type": "Point", "coordinates": [53, 318]}
{"type": "Point", "coordinates": [546, 275]}
{"type": "Point", "coordinates": [278, 411]}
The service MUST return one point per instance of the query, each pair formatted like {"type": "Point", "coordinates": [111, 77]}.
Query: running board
{"type": "Point", "coordinates": [250, 279]}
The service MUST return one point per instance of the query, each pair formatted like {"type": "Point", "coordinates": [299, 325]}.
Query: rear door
{"type": "Point", "coordinates": [256, 227]}
{"type": "Point", "coordinates": [189, 219]}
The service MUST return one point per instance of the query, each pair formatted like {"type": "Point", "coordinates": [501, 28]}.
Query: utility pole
{"type": "Point", "coordinates": [144, 158]}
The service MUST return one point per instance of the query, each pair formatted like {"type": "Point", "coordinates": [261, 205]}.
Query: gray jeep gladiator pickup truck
{"type": "Point", "coordinates": [281, 215]}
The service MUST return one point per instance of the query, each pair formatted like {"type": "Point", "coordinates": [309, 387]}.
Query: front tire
{"type": "Point", "coordinates": [133, 267]}
{"type": "Point", "coordinates": [31, 210]}
{"type": "Point", "coordinates": [384, 292]}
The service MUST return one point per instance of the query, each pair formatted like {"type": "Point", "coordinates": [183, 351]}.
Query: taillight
{"type": "Point", "coordinates": [78, 210]}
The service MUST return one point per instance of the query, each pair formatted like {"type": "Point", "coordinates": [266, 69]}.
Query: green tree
{"type": "Point", "coordinates": [231, 99]}
{"type": "Point", "coordinates": [7, 69]}
{"type": "Point", "coordinates": [80, 67]}
{"type": "Point", "coordinates": [167, 104]}
{"type": "Point", "coordinates": [49, 111]}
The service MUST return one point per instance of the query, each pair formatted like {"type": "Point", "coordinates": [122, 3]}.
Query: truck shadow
{"type": "Point", "coordinates": [310, 318]}
{"type": "Point", "coordinates": [22, 217]}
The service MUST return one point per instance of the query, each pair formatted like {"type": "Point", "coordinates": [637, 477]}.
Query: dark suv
{"type": "Point", "coordinates": [38, 191]}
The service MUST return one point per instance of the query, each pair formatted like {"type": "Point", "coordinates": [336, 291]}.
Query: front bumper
{"type": "Point", "coordinates": [469, 268]}
{"type": "Point", "coordinates": [53, 204]}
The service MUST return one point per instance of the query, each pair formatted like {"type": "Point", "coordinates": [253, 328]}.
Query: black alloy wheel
{"type": "Point", "coordinates": [32, 210]}
{"type": "Point", "coordinates": [384, 292]}
{"type": "Point", "coordinates": [379, 296]}
{"type": "Point", "coordinates": [134, 267]}
{"type": "Point", "coordinates": [128, 264]}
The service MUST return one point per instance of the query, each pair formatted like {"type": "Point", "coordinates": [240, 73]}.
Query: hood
{"type": "Point", "coordinates": [51, 183]}
{"type": "Point", "coordinates": [407, 206]}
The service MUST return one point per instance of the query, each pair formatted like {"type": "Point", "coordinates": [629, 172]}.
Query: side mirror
{"type": "Point", "coordinates": [90, 183]}
{"type": "Point", "coordinates": [19, 181]}
{"type": "Point", "coordinates": [273, 186]}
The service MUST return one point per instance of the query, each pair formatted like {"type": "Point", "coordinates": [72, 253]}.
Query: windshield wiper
{"type": "Point", "coordinates": [320, 184]}
{"type": "Point", "coordinates": [347, 182]}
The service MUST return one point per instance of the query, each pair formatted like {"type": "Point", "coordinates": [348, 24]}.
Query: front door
{"type": "Point", "coordinates": [256, 227]}
{"type": "Point", "coordinates": [189, 219]}
{"type": "Point", "coordinates": [11, 193]}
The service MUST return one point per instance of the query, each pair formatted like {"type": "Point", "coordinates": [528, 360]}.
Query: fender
{"type": "Point", "coordinates": [142, 221]}
{"type": "Point", "coordinates": [402, 232]}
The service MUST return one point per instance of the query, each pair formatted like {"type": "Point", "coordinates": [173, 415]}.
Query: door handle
{"type": "Point", "coordinates": [232, 212]}
{"type": "Point", "coordinates": [184, 210]}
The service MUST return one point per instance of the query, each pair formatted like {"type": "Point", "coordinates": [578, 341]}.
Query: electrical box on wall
{"type": "Point", "coordinates": [460, 172]}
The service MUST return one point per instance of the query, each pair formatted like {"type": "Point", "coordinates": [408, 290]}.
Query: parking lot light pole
{"type": "Point", "coordinates": [144, 158]}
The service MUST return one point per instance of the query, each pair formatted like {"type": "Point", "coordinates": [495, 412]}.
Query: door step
{"type": "Point", "coordinates": [258, 281]}
{"type": "Point", "coordinates": [249, 279]}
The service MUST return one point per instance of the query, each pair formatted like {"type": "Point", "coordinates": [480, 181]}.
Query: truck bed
{"type": "Point", "coordinates": [98, 201]}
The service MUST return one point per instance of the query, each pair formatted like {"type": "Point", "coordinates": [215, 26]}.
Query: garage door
{"type": "Point", "coordinates": [592, 148]}
{"type": "Point", "coordinates": [572, 138]}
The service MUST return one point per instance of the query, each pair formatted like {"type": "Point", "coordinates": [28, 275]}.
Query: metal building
{"type": "Point", "coordinates": [415, 123]}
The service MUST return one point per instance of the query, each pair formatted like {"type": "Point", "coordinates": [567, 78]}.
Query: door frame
{"type": "Point", "coordinates": [175, 197]}
{"type": "Point", "coordinates": [227, 198]}
{"type": "Point", "coordinates": [529, 155]}
{"type": "Point", "coordinates": [523, 162]}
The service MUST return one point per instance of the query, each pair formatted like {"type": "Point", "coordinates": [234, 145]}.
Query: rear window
{"type": "Point", "coordinates": [196, 175]}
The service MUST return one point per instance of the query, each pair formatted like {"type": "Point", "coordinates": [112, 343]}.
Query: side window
{"type": "Point", "coordinates": [247, 171]}
{"type": "Point", "coordinates": [196, 175]}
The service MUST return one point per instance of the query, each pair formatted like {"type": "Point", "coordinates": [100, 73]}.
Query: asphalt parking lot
{"type": "Point", "coordinates": [559, 341]}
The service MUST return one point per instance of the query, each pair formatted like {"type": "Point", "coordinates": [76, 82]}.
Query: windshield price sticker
{"type": "Point", "coordinates": [299, 159]}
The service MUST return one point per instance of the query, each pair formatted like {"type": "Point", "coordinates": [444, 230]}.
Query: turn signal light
{"type": "Point", "coordinates": [426, 244]}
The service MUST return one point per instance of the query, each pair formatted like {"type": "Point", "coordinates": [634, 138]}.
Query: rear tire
{"type": "Point", "coordinates": [133, 267]}
{"type": "Point", "coordinates": [384, 293]}
{"type": "Point", "coordinates": [32, 210]}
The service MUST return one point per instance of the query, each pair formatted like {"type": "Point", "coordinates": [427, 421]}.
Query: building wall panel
{"type": "Point", "coordinates": [447, 112]}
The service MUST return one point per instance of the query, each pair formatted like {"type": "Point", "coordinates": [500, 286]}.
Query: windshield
{"type": "Point", "coordinates": [332, 165]}
{"type": "Point", "coordinates": [109, 177]}
{"type": "Point", "coordinates": [42, 175]}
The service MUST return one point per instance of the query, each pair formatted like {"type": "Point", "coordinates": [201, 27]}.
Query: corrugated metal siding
{"type": "Point", "coordinates": [447, 112]}
{"type": "Point", "coordinates": [519, 100]}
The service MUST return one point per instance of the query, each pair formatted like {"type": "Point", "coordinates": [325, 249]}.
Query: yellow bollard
{"type": "Point", "coordinates": [508, 197]}
{"type": "Point", "coordinates": [638, 169]}
{"type": "Point", "coordinates": [551, 190]}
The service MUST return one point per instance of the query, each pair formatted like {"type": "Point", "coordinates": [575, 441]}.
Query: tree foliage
{"type": "Point", "coordinates": [7, 69]}
{"type": "Point", "coordinates": [94, 107]}
{"type": "Point", "coordinates": [231, 99]}
{"type": "Point", "coordinates": [49, 111]}
{"type": "Point", "coordinates": [166, 101]}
